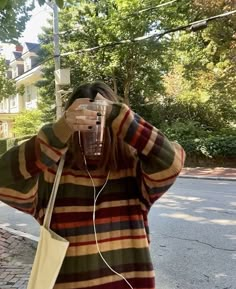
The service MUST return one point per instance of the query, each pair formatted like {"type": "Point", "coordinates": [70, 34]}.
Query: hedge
{"type": "Point", "coordinates": [7, 143]}
{"type": "Point", "coordinates": [211, 147]}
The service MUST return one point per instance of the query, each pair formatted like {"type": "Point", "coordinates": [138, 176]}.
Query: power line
{"type": "Point", "coordinates": [129, 15]}
{"type": "Point", "coordinates": [152, 8]}
{"type": "Point", "coordinates": [194, 26]}
{"type": "Point", "coordinates": [191, 26]}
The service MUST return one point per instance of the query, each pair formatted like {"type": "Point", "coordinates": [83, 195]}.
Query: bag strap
{"type": "Point", "coordinates": [48, 214]}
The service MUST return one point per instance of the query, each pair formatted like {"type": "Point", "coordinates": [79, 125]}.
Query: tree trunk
{"type": "Point", "coordinates": [114, 83]}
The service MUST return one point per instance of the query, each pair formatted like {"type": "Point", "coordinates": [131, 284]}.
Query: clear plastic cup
{"type": "Point", "coordinates": [92, 140]}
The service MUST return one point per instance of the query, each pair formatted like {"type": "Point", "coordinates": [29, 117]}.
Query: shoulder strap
{"type": "Point", "coordinates": [48, 214]}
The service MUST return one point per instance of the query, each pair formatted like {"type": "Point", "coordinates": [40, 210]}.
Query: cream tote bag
{"type": "Point", "coordinates": [51, 248]}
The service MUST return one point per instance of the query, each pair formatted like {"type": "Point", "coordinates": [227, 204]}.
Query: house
{"type": "Point", "coordinates": [24, 68]}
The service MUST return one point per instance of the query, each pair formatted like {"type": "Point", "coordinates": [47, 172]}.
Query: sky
{"type": "Point", "coordinates": [34, 25]}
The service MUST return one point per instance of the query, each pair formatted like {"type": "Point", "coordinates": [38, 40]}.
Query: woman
{"type": "Point", "coordinates": [137, 166]}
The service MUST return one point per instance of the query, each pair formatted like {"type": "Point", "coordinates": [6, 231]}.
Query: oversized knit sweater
{"type": "Point", "coordinates": [27, 173]}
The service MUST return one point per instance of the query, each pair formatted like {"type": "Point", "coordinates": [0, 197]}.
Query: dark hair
{"type": "Point", "coordinates": [90, 90]}
{"type": "Point", "coordinates": [119, 155]}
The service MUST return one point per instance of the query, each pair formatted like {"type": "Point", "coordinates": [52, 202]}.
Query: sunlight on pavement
{"type": "Point", "coordinates": [201, 220]}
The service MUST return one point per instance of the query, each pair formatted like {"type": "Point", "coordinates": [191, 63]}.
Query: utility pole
{"type": "Point", "coordinates": [57, 58]}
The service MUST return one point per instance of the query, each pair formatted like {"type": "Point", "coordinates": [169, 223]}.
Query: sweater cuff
{"type": "Point", "coordinates": [62, 130]}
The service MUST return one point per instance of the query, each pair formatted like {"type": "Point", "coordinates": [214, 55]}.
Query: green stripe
{"type": "Point", "coordinates": [6, 167]}
{"type": "Point", "coordinates": [160, 161]}
{"type": "Point", "coordinates": [116, 108]}
{"type": "Point", "coordinates": [53, 140]}
{"type": "Point", "coordinates": [125, 186]}
{"type": "Point", "coordinates": [114, 258]}
{"type": "Point", "coordinates": [23, 186]}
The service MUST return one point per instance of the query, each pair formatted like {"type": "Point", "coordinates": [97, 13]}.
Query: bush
{"type": "Point", "coordinates": [211, 147]}
{"type": "Point", "coordinates": [7, 143]}
{"type": "Point", "coordinates": [201, 143]}
{"type": "Point", "coordinates": [27, 123]}
{"type": "Point", "coordinates": [185, 131]}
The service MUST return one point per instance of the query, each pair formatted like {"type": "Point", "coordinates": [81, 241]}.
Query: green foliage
{"type": "Point", "coordinates": [133, 70]}
{"type": "Point", "coordinates": [183, 83]}
{"type": "Point", "coordinates": [13, 17]}
{"type": "Point", "coordinates": [7, 86]}
{"type": "Point", "coordinates": [7, 143]}
{"type": "Point", "coordinates": [199, 142]}
{"type": "Point", "coordinates": [5, 4]}
{"type": "Point", "coordinates": [27, 123]}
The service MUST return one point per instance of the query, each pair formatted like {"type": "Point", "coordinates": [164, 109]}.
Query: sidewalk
{"type": "Point", "coordinates": [16, 258]}
{"type": "Point", "coordinates": [217, 173]}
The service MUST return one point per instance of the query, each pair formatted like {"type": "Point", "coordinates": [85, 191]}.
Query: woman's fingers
{"type": "Point", "coordinates": [81, 119]}
{"type": "Point", "coordinates": [75, 105]}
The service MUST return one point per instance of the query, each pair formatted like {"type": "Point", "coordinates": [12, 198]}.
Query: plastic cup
{"type": "Point", "coordinates": [92, 140]}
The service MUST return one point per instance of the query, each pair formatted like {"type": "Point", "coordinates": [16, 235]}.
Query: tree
{"type": "Point", "coordinates": [133, 70]}
{"type": "Point", "coordinates": [203, 67]}
{"type": "Point", "coordinates": [8, 87]}
{"type": "Point", "coordinates": [27, 123]}
{"type": "Point", "coordinates": [5, 4]}
{"type": "Point", "coordinates": [13, 17]}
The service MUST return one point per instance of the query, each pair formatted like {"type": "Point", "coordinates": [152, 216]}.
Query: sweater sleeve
{"type": "Point", "coordinates": [159, 160]}
{"type": "Point", "coordinates": [23, 165]}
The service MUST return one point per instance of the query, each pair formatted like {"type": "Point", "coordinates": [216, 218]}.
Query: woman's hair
{"type": "Point", "coordinates": [118, 154]}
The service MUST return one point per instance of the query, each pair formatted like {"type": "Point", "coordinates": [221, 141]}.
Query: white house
{"type": "Point", "coordinates": [25, 70]}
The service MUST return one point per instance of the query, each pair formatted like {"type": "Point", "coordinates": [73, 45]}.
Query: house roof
{"type": "Point", "coordinates": [17, 55]}
{"type": "Point", "coordinates": [32, 46]}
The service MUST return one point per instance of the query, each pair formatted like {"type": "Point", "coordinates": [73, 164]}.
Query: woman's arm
{"type": "Point", "coordinates": [160, 161]}
{"type": "Point", "coordinates": [21, 166]}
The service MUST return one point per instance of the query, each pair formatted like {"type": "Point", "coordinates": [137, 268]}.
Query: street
{"type": "Point", "coordinates": [193, 234]}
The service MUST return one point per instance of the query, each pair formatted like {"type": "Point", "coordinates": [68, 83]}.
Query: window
{"type": "Point", "coordinates": [27, 64]}
{"type": "Point", "coordinates": [13, 101]}
{"type": "Point", "coordinates": [28, 91]}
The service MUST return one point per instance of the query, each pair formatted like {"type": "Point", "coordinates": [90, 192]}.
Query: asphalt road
{"type": "Point", "coordinates": [193, 234]}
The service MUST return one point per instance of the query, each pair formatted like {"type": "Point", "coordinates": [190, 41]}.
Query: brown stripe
{"type": "Point", "coordinates": [132, 210]}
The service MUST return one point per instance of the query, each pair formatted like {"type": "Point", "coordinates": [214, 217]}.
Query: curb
{"type": "Point", "coordinates": [20, 234]}
{"type": "Point", "coordinates": [208, 178]}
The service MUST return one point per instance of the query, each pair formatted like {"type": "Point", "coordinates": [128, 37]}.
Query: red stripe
{"type": "Point", "coordinates": [48, 146]}
{"type": "Point", "coordinates": [108, 240]}
{"type": "Point", "coordinates": [123, 121]}
{"type": "Point", "coordinates": [137, 283]}
{"type": "Point", "coordinates": [66, 173]}
{"type": "Point", "coordinates": [162, 180]}
{"type": "Point", "coordinates": [145, 136]}
{"type": "Point", "coordinates": [40, 165]}
{"type": "Point", "coordinates": [133, 210]}
{"type": "Point", "coordinates": [107, 220]}
{"type": "Point", "coordinates": [137, 134]}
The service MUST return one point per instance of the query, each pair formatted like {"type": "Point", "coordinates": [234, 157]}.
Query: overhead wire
{"type": "Point", "coordinates": [64, 32]}
{"type": "Point", "coordinates": [128, 15]}
{"type": "Point", "coordinates": [158, 35]}
{"type": "Point", "coordinates": [193, 26]}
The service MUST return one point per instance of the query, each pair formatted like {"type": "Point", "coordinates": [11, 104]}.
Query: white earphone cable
{"type": "Point", "coordinates": [94, 223]}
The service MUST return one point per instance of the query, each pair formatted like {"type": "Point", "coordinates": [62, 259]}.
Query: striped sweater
{"type": "Point", "coordinates": [26, 179]}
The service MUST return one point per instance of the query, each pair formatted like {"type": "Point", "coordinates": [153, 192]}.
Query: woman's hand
{"type": "Point", "coordinates": [79, 118]}
{"type": "Point", "coordinates": [108, 104]}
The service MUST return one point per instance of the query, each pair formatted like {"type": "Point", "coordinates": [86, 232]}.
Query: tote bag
{"type": "Point", "coordinates": [51, 249]}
